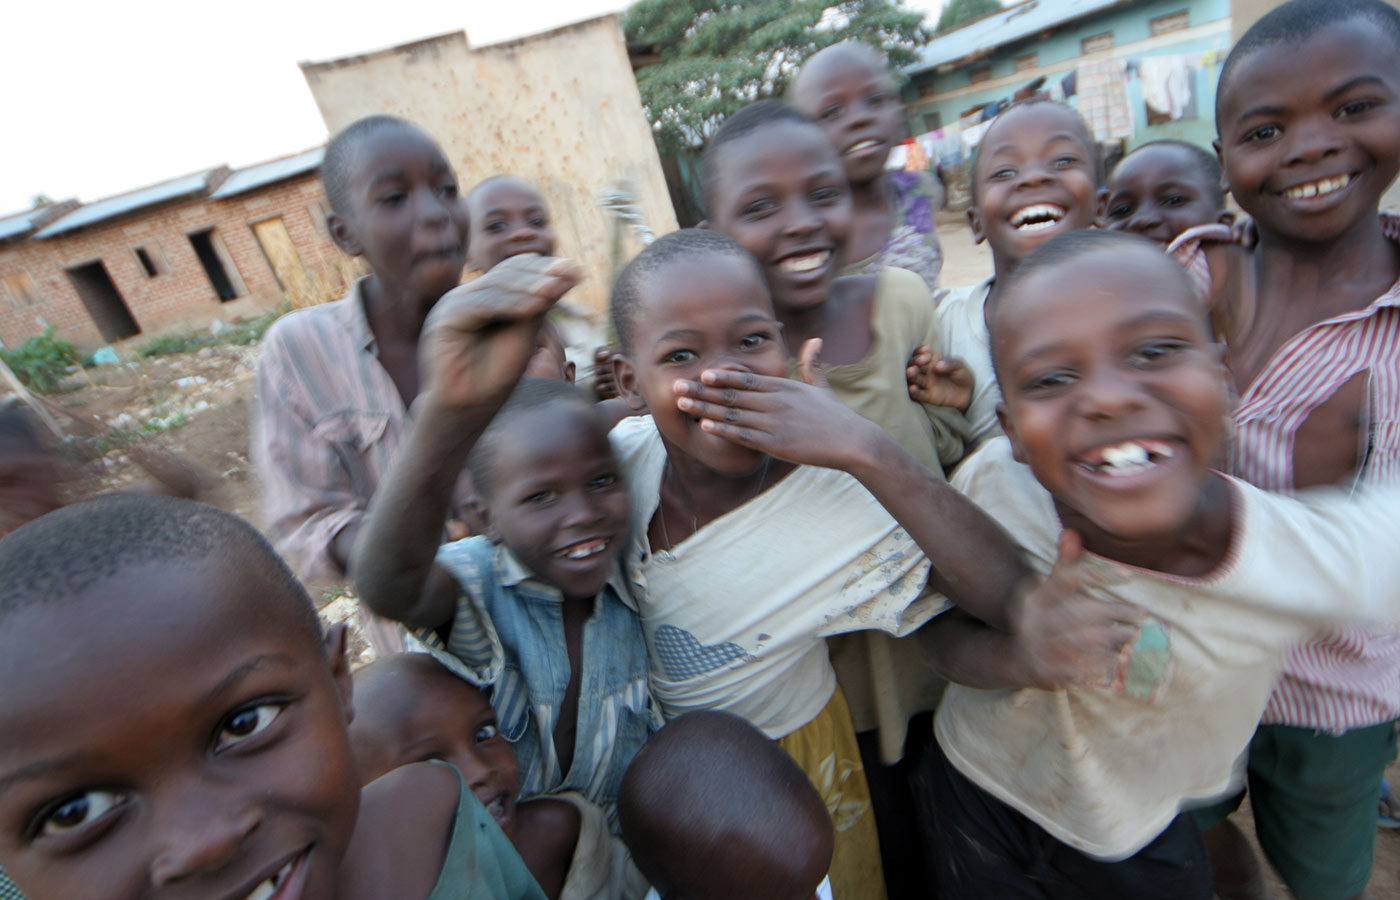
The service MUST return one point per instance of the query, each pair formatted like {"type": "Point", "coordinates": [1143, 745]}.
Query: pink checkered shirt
{"type": "Point", "coordinates": [1349, 678]}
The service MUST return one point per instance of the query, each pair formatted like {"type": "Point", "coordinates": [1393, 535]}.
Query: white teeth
{"type": "Point", "coordinates": [1320, 188]}
{"type": "Point", "coordinates": [1125, 455]}
{"type": "Point", "coordinates": [808, 263]}
{"type": "Point", "coordinates": [862, 145]}
{"type": "Point", "coordinates": [1132, 456]}
{"type": "Point", "coordinates": [1037, 217]}
{"type": "Point", "coordinates": [263, 891]}
{"type": "Point", "coordinates": [585, 549]}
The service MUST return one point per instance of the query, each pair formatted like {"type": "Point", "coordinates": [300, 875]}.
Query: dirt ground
{"type": "Point", "coordinates": [198, 405]}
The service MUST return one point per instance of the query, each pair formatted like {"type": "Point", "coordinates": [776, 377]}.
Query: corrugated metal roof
{"type": "Point", "coordinates": [20, 223]}
{"type": "Point", "coordinates": [111, 207]}
{"type": "Point", "coordinates": [1005, 27]}
{"type": "Point", "coordinates": [257, 176]}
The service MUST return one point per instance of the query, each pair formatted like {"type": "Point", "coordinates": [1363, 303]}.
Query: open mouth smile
{"type": "Point", "coordinates": [804, 263]}
{"type": "Point", "coordinates": [284, 884]}
{"type": "Point", "coordinates": [1125, 458]}
{"type": "Point", "coordinates": [1322, 187]}
{"type": "Point", "coordinates": [584, 550]}
{"type": "Point", "coordinates": [864, 146]}
{"type": "Point", "coordinates": [1037, 217]}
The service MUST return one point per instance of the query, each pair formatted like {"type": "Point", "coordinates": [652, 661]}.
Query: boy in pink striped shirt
{"type": "Point", "coordinates": [1308, 117]}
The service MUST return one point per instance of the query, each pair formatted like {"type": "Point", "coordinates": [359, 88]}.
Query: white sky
{"type": "Point", "coordinates": [101, 96]}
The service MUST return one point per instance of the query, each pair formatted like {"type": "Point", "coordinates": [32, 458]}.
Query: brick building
{"type": "Point", "coordinates": [214, 245]}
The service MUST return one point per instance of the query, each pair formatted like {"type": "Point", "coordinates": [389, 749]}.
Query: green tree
{"type": "Point", "coordinates": [715, 56]}
{"type": "Point", "coordinates": [957, 13]}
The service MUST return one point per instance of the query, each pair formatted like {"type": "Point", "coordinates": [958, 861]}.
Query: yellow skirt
{"type": "Point", "coordinates": [825, 748]}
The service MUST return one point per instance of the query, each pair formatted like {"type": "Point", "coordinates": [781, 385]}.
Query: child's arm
{"type": "Point", "coordinates": [936, 380]}
{"type": "Point", "coordinates": [1060, 634]}
{"type": "Point", "coordinates": [975, 563]}
{"type": "Point", "coordinates": [475, 345]}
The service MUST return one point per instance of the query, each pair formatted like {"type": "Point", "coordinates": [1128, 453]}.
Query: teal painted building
{"type": "Point", "coordinates": [1139, 70]}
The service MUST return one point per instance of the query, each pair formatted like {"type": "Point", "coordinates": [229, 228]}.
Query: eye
{"type": "Point", "coordinates": [1156, 352]}
{"type": "Point", "coordinates": [1065, 162]}
{"type": "Point", "coordinates": [1002, 174]}
{"type": "Point", "coordinates": [877, 99]}
{"type": "Point", "coordinates": [541, 498]}
{"type": "Point", "coordinates": [495, 226]}
{"type": "Point", "coordinates": [1121, 211]}
{"type": "Point", "coordinates": [1047, 382]}
{"type": "Point", "coordinates": [1262, 133]}
{"type": "Point", "coordinates": [1356, 108]}
{"type": "Point", "coordinates": [393, 198]}
{"type": "Point", "coordinates": [1172, 201]}
{"type": "Point", "coordinates": [758, 209]}
{"type": "Point", "coordinates": [831, 112]}
{"type": "Point", "coordinates": [538, 222]}
{"type": "Point", "coordinates": [74, 813]}
{"type": "Point", "coordinates": [603, 482]}
{"type": "Point", "coordinates": [755, 341]}
{"type": "Point", "coordinates": [487, 732]}
{"type": "Point", "coordinates": [678, 357]}
{"type": "Point", "coordinates": [448, 191]}
{"type": "Point", "coordinates": [825, 195]}
{"type": "Point", "coordinates": [244, 723]}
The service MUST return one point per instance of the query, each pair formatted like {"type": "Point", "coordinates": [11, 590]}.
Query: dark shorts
{"type": "Point", "coordinates": [1314, 799]}
{"type": "Point", "coordinates": [986, 849]}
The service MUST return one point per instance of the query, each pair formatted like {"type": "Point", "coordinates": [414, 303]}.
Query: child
{"type": "Point", "coordinates": [175, 725]}
{"type": "Point", "coordinates": [713, 809]}
{"type": "Point", "coordinates": [508, 218]}
{"type": "Point", "coordinates": [849, 90]}
{"type": "Point", "coordinates": [1163, 188]}
{"type": "Point", "coordinates": [774, 183]}
{"type": "Point", "coordinates": [532, 610]}
{"type": "Point", "coordinates": [1116, 408]}
{"type": "Point", "coordinates": [335, 381]}
{"type": "Point", "coordinates": [1308, 115]}
{"type": "Point", "coordinates": [1034, 176]}
{"type": "Point", "coordinates": [742, 563]}
{"type": "Point", "coordinates": [409, 708]}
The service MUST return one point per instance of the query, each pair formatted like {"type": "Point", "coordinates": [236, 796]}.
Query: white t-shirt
{"type": "Point", "coordinates": [1105, 770]}
{"type": "Point", "coordinates": [735, 615]}
{"type": "Point", "coordinates": [962, 332]}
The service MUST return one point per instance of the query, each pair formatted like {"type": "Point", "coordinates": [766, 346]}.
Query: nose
{"type": "Point", "coordinates": [579, 510]}
{"type": "Point", "coordinates": [802, 220]}
{"type": "Point", "coordinates": [1032, 176]}
{"type": "Point", "coordinates": [524, 233]}
{"type": "Point", "coordinates": [1313, 141]}
{"type": "Point", "coordinates": [1145, 219]}
{"type": "Point", "coordinates": [433, 210]}
{"type": "Point", "coordinates": [476, 772]}
{"type": "Point", "coordinates": [1109, 394]}
{"type": "Point", "coordinates": [201, 838]}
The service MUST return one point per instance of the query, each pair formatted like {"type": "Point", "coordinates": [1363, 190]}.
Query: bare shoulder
{"type": "Point", "coordinates": [402, 833]}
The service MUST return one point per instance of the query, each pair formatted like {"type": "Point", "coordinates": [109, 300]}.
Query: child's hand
{"type": "Point", "coordinates": [798, 421]}
{"type": "Point", "coordinates": [939, 381]}
{"type": "Point", "coordinates": [480, 336]}
{"type": "Point", "coordinates": [1066, 635]}
{"type": "Point", "coordinates": [604, 387]}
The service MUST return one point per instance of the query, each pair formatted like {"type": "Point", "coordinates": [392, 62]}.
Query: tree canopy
{"type": "Point", "coordinates": [960, 12]}
{"type": "Point", "coordinates": [716, 56]}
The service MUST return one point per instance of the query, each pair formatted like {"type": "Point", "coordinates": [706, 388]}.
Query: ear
{"type": "Point", "coordinates": [625, 377]}
{"type": "Point", "coordinates": [343, 235]}
{"type": "Point", "coordinates": [570, 371]}
{"type": "Point", "coordinates": [1101, 214]}
{"type": "Point", "coordinates": [974, 222]}
{"type": "Point", "coordinates": [1018, 453]}
{"type": "Point", "coordinates": [334, 645]}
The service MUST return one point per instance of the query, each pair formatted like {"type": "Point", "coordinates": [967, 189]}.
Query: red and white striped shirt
{"type": "Point", "coordinates": [1350, 678]}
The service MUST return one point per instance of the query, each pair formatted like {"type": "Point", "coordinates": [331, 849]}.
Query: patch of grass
{"type": "Point", "coordinates": [41, 362]}
{"type": "Point", "coordinates": [241, 334]}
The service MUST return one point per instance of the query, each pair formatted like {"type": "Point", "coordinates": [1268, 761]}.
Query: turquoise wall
{"type": "Point", "coordinates": [1060, 54]}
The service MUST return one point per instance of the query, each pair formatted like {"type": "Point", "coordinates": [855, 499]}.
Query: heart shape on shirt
{"type": "Point", "coordinates": [683, 656]}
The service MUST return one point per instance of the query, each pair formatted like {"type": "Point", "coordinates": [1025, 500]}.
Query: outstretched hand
{"type": "Point", "coordinates": [480, 336]}
{"type": "Point", "coordinates": [800, 421]}
{"type": "Point", "coordinates": [1066, 635]}
{"type": "Point", "coordinates": [939, 380]}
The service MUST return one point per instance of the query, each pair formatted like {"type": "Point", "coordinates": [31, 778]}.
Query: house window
{"type": "Point", "coordinates": [1177, 21]}
{"type": "Point", "coordinates": [148, 262]}
{"type": "Point", "coordinates": [1027, 61]}
{"type": "Point", "coordinates": [979, 74]}
{"type": "Point", "coordinates": [1096, 42]}
{"type": "Point", "coordinates": [20, 289]}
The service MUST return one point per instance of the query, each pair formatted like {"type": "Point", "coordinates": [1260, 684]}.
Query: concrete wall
{"type": "Point", "coordinates": [559, 109]}
{"type": "Point", "coordinates": [951, 93]}
{"type": "Point", "coordinates": [180, 296]}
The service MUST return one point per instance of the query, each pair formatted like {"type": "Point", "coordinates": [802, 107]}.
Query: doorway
{"type": "Point", "coordinates": [211, 258]}
{"type": "Point", "coordinates": [104, 302]}
{"type": "Point", "coordinates": [282, 256]}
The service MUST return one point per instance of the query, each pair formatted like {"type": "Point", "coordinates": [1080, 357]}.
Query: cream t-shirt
{"type": "Point", "coordinates": [1105, 770]}
{"type": "Point", "coordinates": [736, 614]}
{"type": "Point", "coordinates": [962, 332]}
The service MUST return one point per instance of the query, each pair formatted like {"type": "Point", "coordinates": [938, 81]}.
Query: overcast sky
{"type": "Point", "coordinates": [100, 96]}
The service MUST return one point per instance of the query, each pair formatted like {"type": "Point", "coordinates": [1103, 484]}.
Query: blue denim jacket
{"type": "Point", "coordinates": [507, 638]}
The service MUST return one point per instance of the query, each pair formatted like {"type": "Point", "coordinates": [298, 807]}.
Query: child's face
{"type": "Point", "coordinates": [405, 216]}
{"type": "Point", "coordinates": [1159, 192]}
{"type": "Point", "coordinates": [408, 709]}
{"type": "Point", "coordinates": [171, 733]}
{"type": "Point", "coordinates": [1115, 395]}
{"type": "Point", "coordinates": [1036, 179]}
{"type": "Point", "coordinates": [1310, 137]}
{"type": "Point", "coordinates": [710, 311]}
{"type": "Point", "coordinates": [854, 100]}
{"type": "Point", "coordinates": [508, 218]}
{"type": "Point", "coordinates": [557, 499]}
{"type": "Point", "coordinates": [782, 193]}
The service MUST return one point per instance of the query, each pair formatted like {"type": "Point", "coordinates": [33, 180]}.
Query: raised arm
{"type": "Point", "coordinates": [474, 348]}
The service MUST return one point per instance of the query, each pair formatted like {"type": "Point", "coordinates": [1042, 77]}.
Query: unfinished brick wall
{"type": "Point", "coordinates": [180, 296]}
